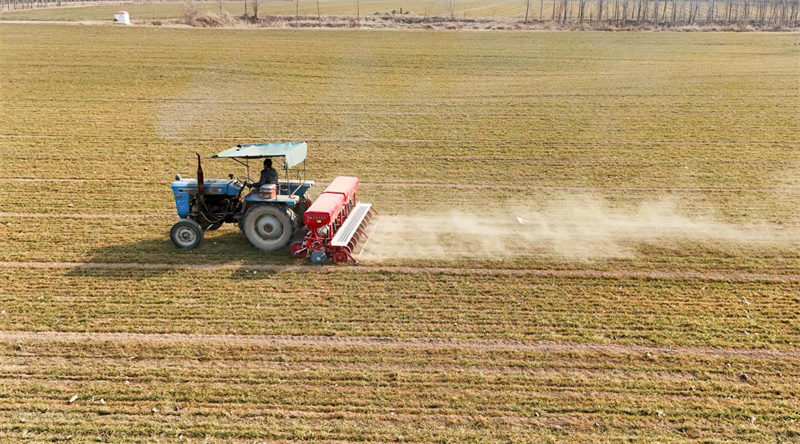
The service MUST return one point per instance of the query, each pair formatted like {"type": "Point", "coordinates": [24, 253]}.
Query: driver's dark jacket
{"type": "Point", "coordinates": [268, 176]}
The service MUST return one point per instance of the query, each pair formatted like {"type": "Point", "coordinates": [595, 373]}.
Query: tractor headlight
{"type": "Point", "coordinates": [177, 177]}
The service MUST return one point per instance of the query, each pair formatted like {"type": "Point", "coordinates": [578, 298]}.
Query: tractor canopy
{"type": "Point", "coordinates": [293, 153]}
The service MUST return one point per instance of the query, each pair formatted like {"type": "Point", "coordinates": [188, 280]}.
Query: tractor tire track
{"type": "Point", "coordinates": [11, 215]}
{"type": "Point", "coordinates": [393, 342]}
{"type": "Point", "coordinates": [466, 186]}
{"type": "Point", "coordinates": [610, 160]}
{"type": "Point", "coordinates": [567, 273]}
{"type": "Point", "coordinates": [72, 180]}
{"type": "Point", "coordinates": [432, 102]}
{"type": "Point", "coordinates": [131, 216]}
{"type": "Point", "coordinates": [85, 216]}
{"type": "Point", "coordinates": [555, 160]}
{"type": "Point", "coordinates": [577, 188]}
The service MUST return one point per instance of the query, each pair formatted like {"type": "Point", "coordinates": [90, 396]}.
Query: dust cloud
{"type": "Point", "coordinates": [190, 112]}
{"type": "Point", "coordinates": [574, 228]}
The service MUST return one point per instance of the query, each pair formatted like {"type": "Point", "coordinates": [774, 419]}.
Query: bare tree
{"type": "Point", "coordinates": [297, 10]}
{"type": "Point", "coordinates": [711, 11]}
{"type": "Point", "coordinates": [625, 5]}
{"type": "Point", "coordinates": [451, 7]}
{"type": "Point", "coordinates": [674, 11]}
{"type": "Point", "coordinates": [256, 4]}
{"type": "Point", "coordinates": [358, 12]}
{"type": "Point", "coordinates": [319, 15]}
{"type": "Point", "coordinates": [221, 9]}
{"type": "Point", "coordinates": [527, 9]}
{"type": "Point", "coordinates": [581, 10]}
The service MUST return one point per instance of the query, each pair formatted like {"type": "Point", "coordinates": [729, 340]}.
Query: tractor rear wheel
{"type": "Point", "coordinates": [186, 233]}
{"type": "Point", "coordinates": [269, 227]}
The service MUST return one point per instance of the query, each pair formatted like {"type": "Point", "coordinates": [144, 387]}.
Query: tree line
{"type": "Point", "coordinates": [12, 5]}
{"type": "Point", "coordinates": [756, 13]}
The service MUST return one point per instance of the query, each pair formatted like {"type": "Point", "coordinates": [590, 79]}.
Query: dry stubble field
{"type": "Point", "coordinates": [651, 338]}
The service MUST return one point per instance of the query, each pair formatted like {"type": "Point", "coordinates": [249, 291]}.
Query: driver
{"type": "Point", "coordinates": [268, 175]}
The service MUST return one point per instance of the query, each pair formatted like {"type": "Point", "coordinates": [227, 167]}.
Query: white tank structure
{"type": "Point", "coordinates": [122, 17]}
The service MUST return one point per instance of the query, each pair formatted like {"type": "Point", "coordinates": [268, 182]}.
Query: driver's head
{"type": "Point", "coordinates": [267, 163]}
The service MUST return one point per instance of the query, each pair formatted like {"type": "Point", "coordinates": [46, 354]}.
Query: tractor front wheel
{"type": "Point", "coordinates": [269, 227]}
{"type": "Point", "coordinates": [186, 233]}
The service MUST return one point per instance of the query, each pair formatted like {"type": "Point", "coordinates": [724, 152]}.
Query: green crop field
{"type": "Point", "coordinates": [660, 303]}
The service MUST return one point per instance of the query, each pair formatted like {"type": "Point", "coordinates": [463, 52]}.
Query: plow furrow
{"type": "Point", "coordinates": [617, 274]}
{"type": "Point", "coordinates": [389, 342]}
{"type": "Point", "coordinates": [476, 186]}
{"type": "Point", "coordinates": [86, 216]}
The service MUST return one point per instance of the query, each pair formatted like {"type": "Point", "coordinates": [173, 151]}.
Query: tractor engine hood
{"type": "Point", "coordinates": [213, 187]}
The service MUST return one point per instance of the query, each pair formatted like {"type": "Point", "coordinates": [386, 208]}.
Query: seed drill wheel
{"type": "Point", "coordinates": [318, 257]}
{"type": "Point", "coordinates": [186, 233]}
{"type": "Point", "coordinates": [269, 227]}
{"type": "Point", "coordinates": [298, 249]}
{"type": "Point", "coordinates": [340, 257]}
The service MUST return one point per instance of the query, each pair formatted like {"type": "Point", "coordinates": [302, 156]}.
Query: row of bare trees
{"type": "Point", "coordinates": [9, 5]}
{"type": "Point", "coordinates": [667, 12]}
{"type": "Point", "coordinates": [255, 7]}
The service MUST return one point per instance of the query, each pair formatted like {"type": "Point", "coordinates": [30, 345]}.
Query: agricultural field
{"type": "Point", "coordinates": [651, 293]}
{"type": "Point", "coordinates": [173, 10]}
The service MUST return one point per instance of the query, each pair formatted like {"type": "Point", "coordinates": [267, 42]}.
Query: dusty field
{"type": "Point", "coordinates": [654, 296]}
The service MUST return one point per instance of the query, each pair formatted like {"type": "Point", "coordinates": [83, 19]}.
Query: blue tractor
{"type": "Point", "coordinates": [269, 216]}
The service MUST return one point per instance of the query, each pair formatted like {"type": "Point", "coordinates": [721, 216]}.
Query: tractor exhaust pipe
{"type": "Point", "coordinates": [200, 183]}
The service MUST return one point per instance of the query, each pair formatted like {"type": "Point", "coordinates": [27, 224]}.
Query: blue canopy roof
{"type": "Point", "coordinates": [293, 152]}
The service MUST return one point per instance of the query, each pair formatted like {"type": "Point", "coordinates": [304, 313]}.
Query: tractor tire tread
{"type": "Point", "coordinates": [189, 223]}
{"type": "Point", "coordinates": [286, 210]}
